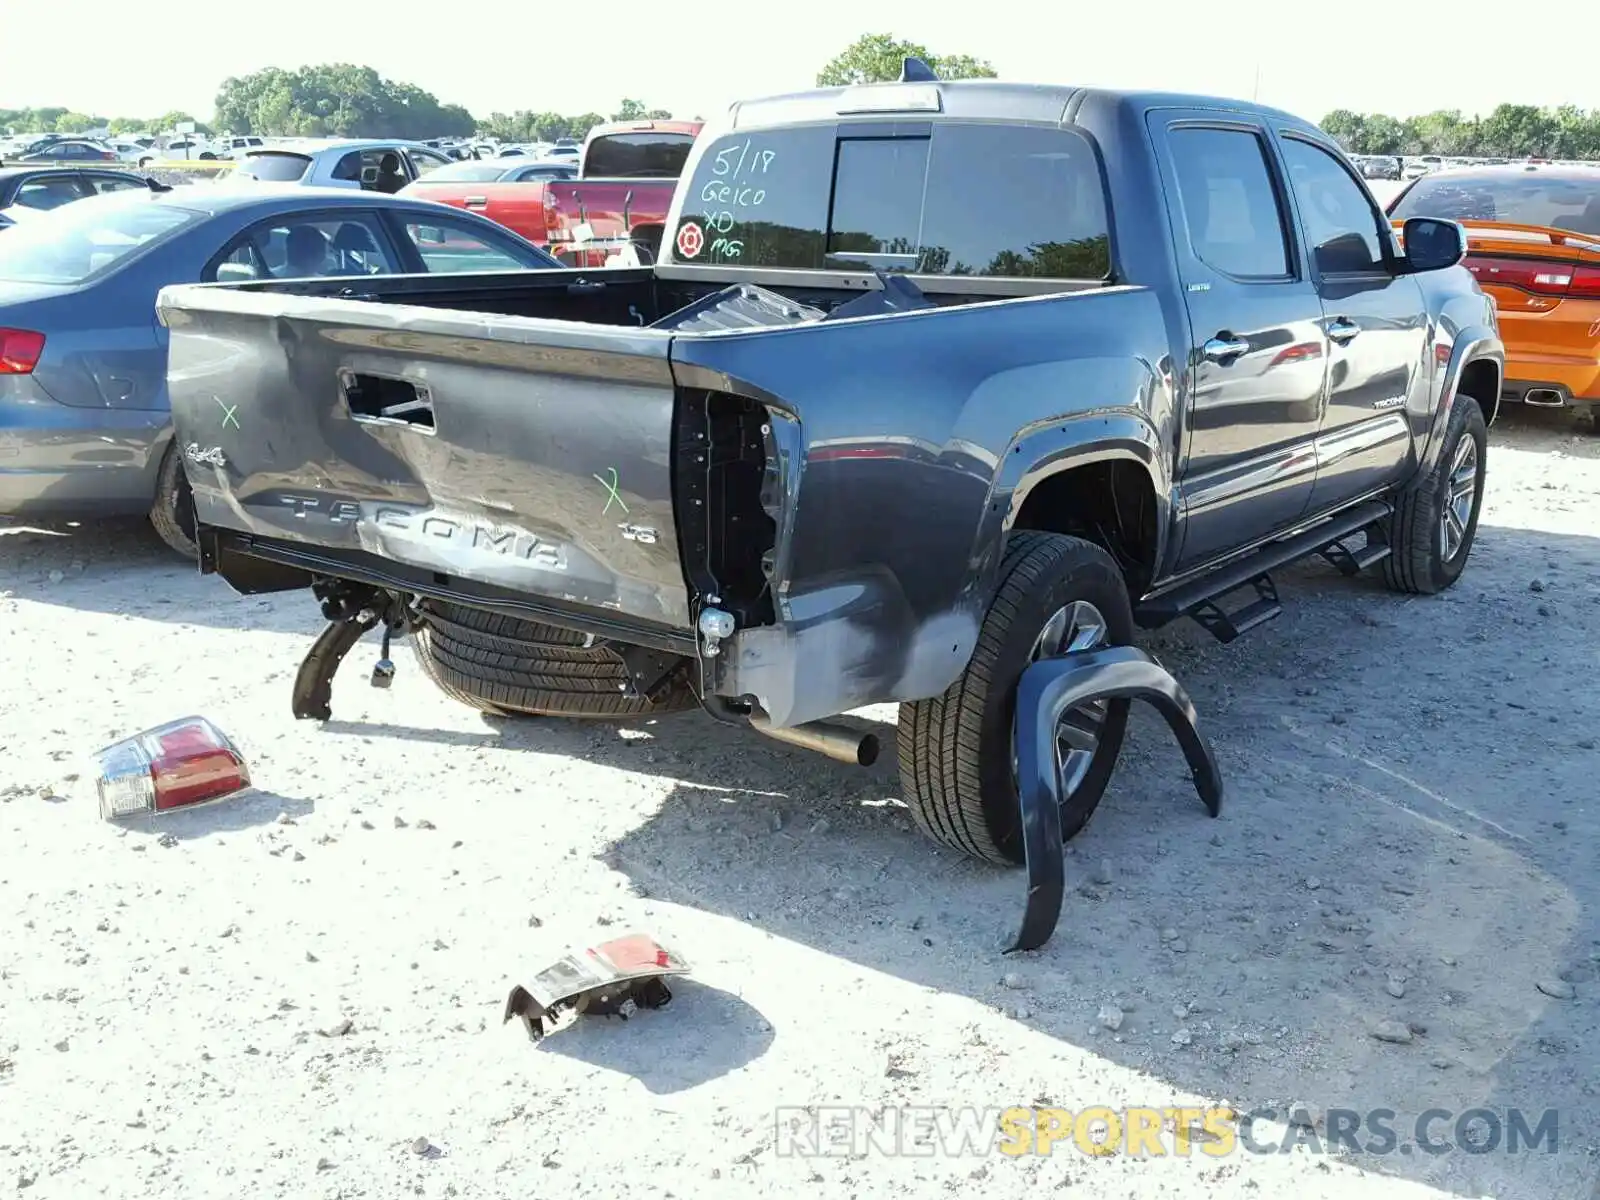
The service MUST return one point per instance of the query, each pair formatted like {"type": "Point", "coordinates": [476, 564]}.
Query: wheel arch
{"type": "Point", "coordinates": [1107, 485]}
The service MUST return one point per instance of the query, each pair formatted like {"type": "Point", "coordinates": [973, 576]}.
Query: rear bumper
{"type": "Point", "coordinates": [1557, 351]}
{"type": "Point", "coordinates": [57, 461]}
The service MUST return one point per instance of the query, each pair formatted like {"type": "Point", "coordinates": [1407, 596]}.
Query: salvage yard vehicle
{"type": "Point", "coordinates": [84, 426]}
{"type": "Point", "coordinates": [51, 187]}
{"type": "Point", "coordinates": [580, 209]}
{"type": "Point", "coordinates": [371, 164]}
{"type": "Point", "coordinates": [1533, 235]}
{"type": "Point", "coordinates": [876, 427]}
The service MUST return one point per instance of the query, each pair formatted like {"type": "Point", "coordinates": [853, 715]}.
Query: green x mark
{"type": "Point", "coordinates": [613, 496]}
{"type": "Point", "coordinates": [228, 413]}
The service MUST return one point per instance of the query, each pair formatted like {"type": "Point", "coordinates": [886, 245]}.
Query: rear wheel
{"type": "Point", "coordinates": [502, 664]}
{"type": "Point", "coordinates": [172, 512]}
{"type": "Point", "coordinates": [1058, 595]}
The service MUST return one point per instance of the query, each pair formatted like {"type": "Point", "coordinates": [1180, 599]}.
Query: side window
{"type": "Point", "coordinates": [448, 249]}
{"type": "Point", "coordinates": [312, 248]}
{"type": "Point", "coordinates": [110, 183]}
{"type": "Point", "coordinates": [49, 192]}
{"type": "Point", "coordinates": [424, 161]}
{"type": "Point", "coordinates": [1340, 221]}
{"type": "Point", "coordinates": [382, 171]}
{"type": "Point", "coordinates": [348, 168]}
{"type": "Point", "coordinates": [1230, 206]}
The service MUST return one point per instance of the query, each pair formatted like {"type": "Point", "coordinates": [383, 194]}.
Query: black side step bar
{"type": "Point", "coordinates": [1200, 598]}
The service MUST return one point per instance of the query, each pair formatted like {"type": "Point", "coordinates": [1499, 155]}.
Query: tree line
{"type": "Point", "coordinates": [344, 100]}
{"type": "Point", "coordinates": [335, 100]}
{"type": "Point", "coordinates": [1510, 131]}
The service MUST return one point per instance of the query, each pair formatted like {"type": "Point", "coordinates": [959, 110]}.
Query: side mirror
{"type": "Point", "coordinates": [1433, 245]}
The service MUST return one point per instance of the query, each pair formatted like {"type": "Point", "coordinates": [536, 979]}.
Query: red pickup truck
{"type": "Point", "coordinates": [619, 195]}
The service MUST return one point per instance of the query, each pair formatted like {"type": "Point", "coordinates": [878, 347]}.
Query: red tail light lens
{"type": "Point", "coordinates": [1538, 278]}
{"type": "Point", "coordinates": [173, 766]}
{"type": "Point", "coordinates": [19, 351]}
{"type": "Point", "coordinates": [1585, 283]}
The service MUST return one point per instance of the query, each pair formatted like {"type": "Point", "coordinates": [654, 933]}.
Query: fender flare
{"type": "Point", "coordinates": [1475, 343]}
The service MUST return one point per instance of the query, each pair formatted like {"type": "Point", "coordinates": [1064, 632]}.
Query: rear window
{"type": "Point", "coordinates": [637, 155]}
{"type": "Point", "coordinates": [274, 166]}
{"type": "Point", "coordinates": [1530, 198]}
{"type": "Point", "coordinates": [89, 238]}
{"type": "Point", "coordinates": [980, 200]}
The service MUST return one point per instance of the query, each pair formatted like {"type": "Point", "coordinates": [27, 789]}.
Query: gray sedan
{"type": "Point", "coordinates": [84, 424]}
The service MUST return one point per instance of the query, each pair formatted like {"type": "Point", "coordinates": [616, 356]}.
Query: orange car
{"type": "Point", "coordinates": [1533, 243]}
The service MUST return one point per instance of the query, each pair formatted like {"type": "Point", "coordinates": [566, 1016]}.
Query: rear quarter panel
{"type": "Point", "coordinates": [907, 444]}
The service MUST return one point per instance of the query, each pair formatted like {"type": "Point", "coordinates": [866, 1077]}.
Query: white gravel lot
{"type": "Point", "coordinates": [1412, 786]}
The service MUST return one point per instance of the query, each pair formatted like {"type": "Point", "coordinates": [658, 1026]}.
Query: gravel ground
{"type": "Point", "coordinates": [1408, 848]}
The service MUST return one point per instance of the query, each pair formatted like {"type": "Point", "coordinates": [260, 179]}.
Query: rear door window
{"type": "Point", "coordinates": [447, 248]}
{"type": "Point", "coordinates": [842, 198]}
{"type": "Point", "coordinates": [116, 183]}
{"type": "Point", "coordinates": [1230, 204]}
{"type": "Point", "coordinates": [310, 247]}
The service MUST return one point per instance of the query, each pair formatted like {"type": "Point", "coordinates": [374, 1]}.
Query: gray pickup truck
{"type": "Point", "coordinates": [931, 379]}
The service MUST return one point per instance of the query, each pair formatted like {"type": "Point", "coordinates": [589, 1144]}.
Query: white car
{"type": "Point", "coordinates": [374, 165]}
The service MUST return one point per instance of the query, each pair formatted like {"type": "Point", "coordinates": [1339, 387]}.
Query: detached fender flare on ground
{"type": "Point", "coordinates": [1045, 692]}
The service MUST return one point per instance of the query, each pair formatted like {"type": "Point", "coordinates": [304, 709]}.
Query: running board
{"type": "Point", "coordinates": [1201, 598]}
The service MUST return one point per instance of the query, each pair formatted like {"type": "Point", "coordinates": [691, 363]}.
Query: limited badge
{"type": "Point", "coordinates": [691, 240]}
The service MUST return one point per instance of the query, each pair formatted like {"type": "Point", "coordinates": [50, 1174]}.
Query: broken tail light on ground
{"type": "Point", "coordinates": [175, 766]}
{"type": "Point", "coordinates": [613, 979]}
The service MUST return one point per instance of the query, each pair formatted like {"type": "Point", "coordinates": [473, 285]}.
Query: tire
{"type": "Point", "coordinates": [505, 665]}
{"type": "Point", "coordinates": [144, 163]}
{"type": "Point", "coordinates": [172, 511]}
{"type": "Point", "coordinates": [1418, 561]}
{"type": "Point", "coordinates": [956, 751]}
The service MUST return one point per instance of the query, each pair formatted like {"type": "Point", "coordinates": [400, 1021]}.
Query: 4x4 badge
{"type": "Point", "coordinates": [213, 456]}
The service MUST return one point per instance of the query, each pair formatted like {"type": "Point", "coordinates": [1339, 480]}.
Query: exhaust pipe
{"type": "Point", "coordinates": [849, 746]}
{"type": "Point", "coordinates": [1544, 398]}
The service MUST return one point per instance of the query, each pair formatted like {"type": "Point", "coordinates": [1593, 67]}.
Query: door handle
{"type": "Point", "coordinates": [1225, 349]}
{"type": "Point", "coordinates": [1342, 331]}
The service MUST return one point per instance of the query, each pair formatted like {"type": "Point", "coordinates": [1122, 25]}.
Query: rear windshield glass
{"type": "Point", "coordinates": [72, 243]}
{"type": "Point", "coordinates": [981, 200]}
{"type": "Point", "coordinates": [636, 155]}
{"type": "Point", "coordinates": [274, 167]}
{"type": "Point", "coordinates": [468, 172]}
{"type": "Point", "coordinates": [1530, 198]}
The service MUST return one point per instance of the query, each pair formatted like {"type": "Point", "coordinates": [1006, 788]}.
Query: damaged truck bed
{"type": "Point", "coordinates": [878, 426]}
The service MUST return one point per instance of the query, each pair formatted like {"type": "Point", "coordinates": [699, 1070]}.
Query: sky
{"type": "Point", "coordinates": [504, 55]}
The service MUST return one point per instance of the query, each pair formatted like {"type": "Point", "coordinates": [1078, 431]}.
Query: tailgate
{"type": "Point", "coordinates": [516, 452]}
{"type": "Point", "coordinates": [605, 212]}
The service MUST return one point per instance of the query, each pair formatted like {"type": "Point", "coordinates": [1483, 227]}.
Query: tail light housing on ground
{"type": "Point", "coordinates": [179, 765]}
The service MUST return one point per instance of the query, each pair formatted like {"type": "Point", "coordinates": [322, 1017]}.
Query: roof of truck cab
{"type": "Point", "coordinates": [980, 99]}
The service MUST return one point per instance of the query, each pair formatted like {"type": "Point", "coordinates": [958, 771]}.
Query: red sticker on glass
{"type": "Point", "coordinates": [690, 240]}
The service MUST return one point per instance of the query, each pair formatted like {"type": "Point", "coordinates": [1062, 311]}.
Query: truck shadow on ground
{"type": "Point", "coordinates": [1408, 785]}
